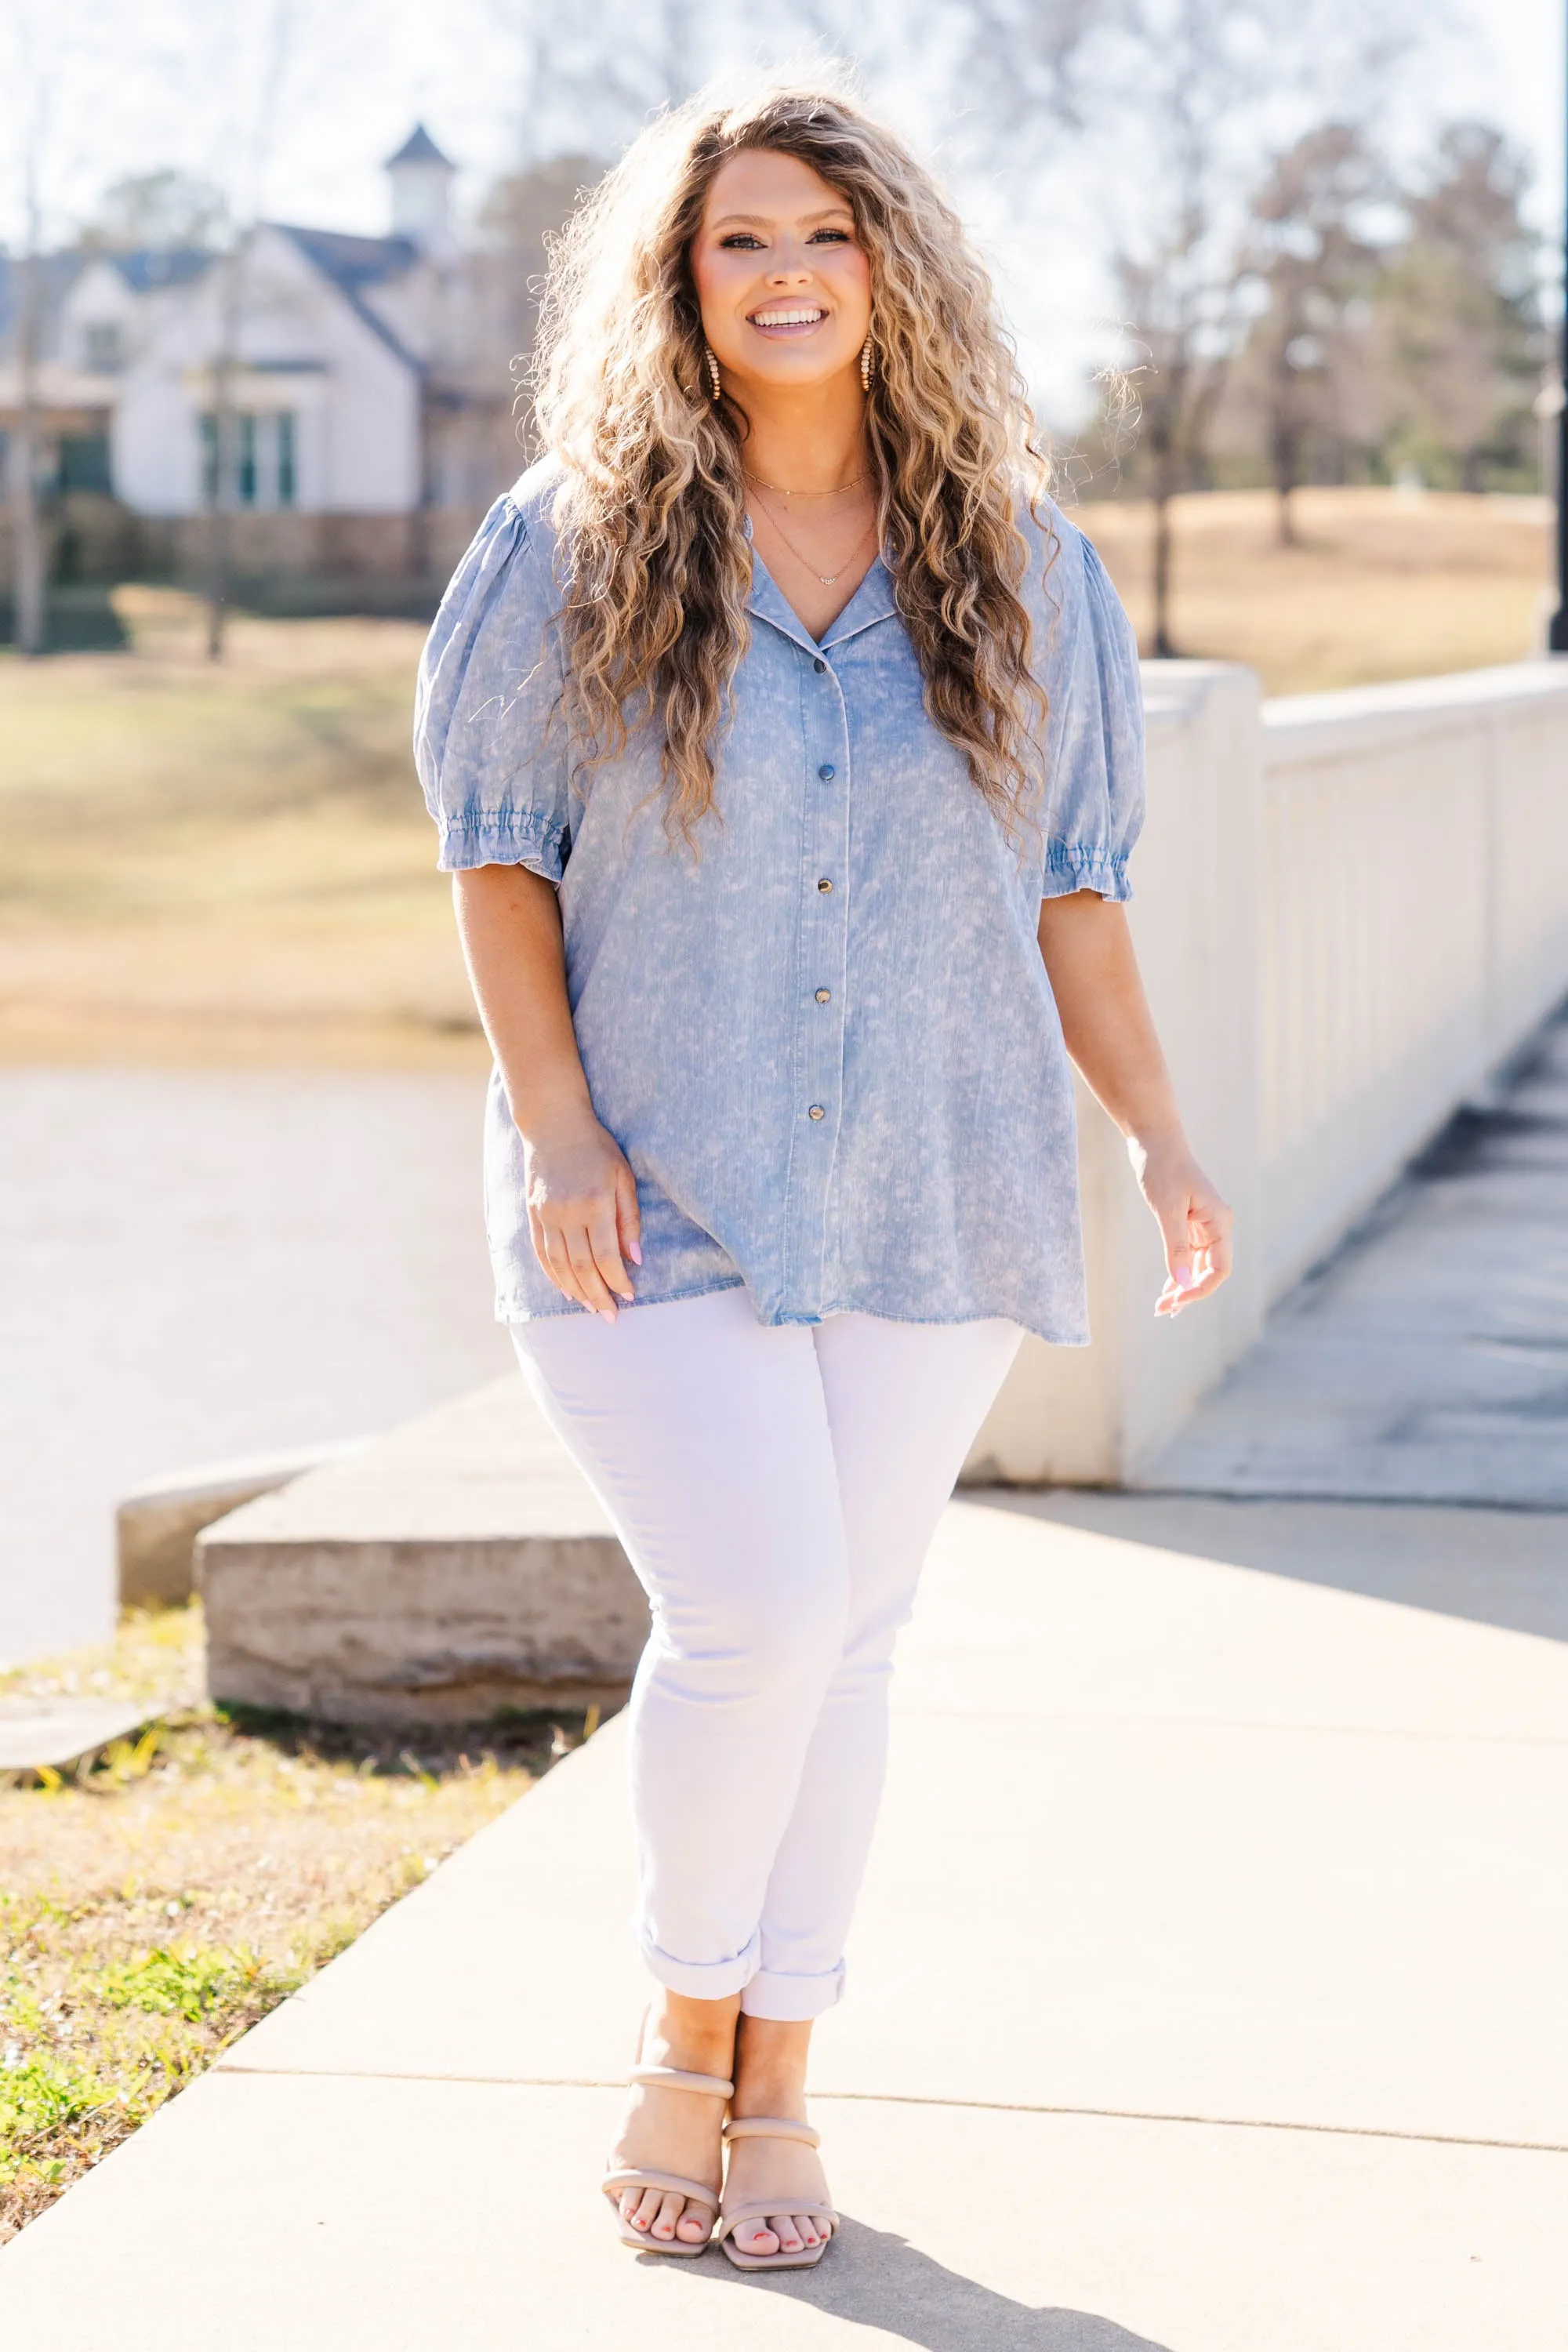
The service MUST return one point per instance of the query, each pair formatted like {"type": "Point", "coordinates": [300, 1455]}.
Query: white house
{"type": "Point", "coordinates": [364, 380]}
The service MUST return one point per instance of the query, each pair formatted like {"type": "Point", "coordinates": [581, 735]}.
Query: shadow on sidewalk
{"type": "Point", "coordinates": [881, 2280]}
{"type": "Point", "coordinates": [1492, 1567]}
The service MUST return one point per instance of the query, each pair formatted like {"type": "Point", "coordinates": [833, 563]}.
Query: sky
{"type": "Point", "coordinates": [126, 89]}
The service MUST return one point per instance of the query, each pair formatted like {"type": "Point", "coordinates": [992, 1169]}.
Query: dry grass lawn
{"type": "Point", "coordinates": [156, 1905]}
{"type": "Point", "coordinates": [1384, 585]}
{"type": "Point", "coordinates": [222, 863]}
{"type": "Point", "coordinates": [232, 863]}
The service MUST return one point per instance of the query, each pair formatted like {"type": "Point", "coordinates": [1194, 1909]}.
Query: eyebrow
{"type": "Point", "coordinates": [766, 220]}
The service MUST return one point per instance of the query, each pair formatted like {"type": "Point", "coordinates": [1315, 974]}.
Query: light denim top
{"type": "Point", "coordinates": [827, 1045]}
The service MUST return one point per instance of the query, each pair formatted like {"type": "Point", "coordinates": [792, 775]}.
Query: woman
{"type": "Point", "coordinates": [785, 746]}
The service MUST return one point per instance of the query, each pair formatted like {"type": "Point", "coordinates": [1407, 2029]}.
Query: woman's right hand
{"type": "Point", "coordinates": [582, 1212]}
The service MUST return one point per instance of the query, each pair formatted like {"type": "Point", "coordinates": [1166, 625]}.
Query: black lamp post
{"type": "Point", "coordinates": [1557, 632]}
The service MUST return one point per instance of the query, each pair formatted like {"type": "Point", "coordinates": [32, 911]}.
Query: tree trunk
{"type": "Point", "coordinates": [217, 516]}
{"type": "Point", "coordinates": [1163, 649]}
{"type": "Point", "coordinates": [30, 590]}
{"type": "Point", "coordinates": [1285, 440]}
{"type": "Point", "coordinates": [29, 594]}
{"type": "Point", "coordinates": [223, 484]}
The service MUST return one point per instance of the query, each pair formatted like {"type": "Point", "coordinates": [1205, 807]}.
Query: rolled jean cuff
{"type": "Point", "coordinates": [792, 1999]}
{"type": "Point", "coordinates": [699, 1980]}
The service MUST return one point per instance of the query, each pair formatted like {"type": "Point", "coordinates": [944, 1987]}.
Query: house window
{"type": "Point", "coordinates": [103, 347]}
{"type": "Point", "coordinates": [84, 462]}
{"type": "Point", "coordinates": [260, 466]}
{"type": "Point", "coordinates": [245, 466]}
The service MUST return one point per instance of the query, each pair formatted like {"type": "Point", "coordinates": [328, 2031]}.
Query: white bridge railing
{"type": "Point", "coordinates": [1350, 907]}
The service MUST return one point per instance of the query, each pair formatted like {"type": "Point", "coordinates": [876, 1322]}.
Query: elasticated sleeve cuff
{"type": "Point", "coordinates": [1070, 866]}
{"type": "Point", "coordinates": [504, 836]}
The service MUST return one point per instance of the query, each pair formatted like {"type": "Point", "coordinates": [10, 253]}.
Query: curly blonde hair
{"type": "Point", "coordinates": [651, 504]}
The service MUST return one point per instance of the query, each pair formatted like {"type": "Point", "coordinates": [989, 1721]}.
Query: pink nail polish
{"type": "Point", "coordinates": [633, 1251]}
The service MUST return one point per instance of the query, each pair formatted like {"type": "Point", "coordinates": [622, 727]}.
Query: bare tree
{"type": "Point", "coordinates": [29, 588]}
{"type": "Point", "coordinates": [1182, 107]}
{"type": "Point", "coordinates": [1315, 256]}
{"type": "Point", "coordinates": [166, 211]}
{"type": "Point", "coordinates": [30, 570]}
{"type": "Point", "coordinates": [586, 85]}
{"type": "Point", "coordinates": [1201, 69]}
{"type": "Point", "coordinates": [1160, 99]}
{"type": "Point", "coordinates": [1026, 67]}
{"type": "Point", "coordinates": [259, 117]}
{"type": "Point", "coordinates": [521, 214]}
{"type": "Point", "coordinates": [1459, 312]}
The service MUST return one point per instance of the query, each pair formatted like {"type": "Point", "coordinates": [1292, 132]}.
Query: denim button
{"type": "Point", "coordinates": [828, 772]}
{"type": "Point", "coordinates": [818, 1111]}
{"type": "Point", "coordinates": [824, 995]}
{"type": "Point", "coordinates": [824, 884]}
{"type": "Point", "coordinates": [819, 665]}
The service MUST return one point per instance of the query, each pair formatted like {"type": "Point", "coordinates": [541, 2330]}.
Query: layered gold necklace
{"type": "Point", "coordinates": [824, 579]}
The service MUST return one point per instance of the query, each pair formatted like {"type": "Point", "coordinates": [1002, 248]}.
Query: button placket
{"type": "Point", "coordinates": [820, 1063]}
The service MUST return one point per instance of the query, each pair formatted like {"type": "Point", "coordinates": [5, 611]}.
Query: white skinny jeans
{"type": "Point", "coordinates": [775, 1490]}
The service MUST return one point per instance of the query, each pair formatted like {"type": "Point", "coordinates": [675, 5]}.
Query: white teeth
{"type": "Point", "coordinates": [785, 318]}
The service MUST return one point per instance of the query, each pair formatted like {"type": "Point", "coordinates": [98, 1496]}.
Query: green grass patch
{"type": "Point", "coordinates": [192, 1983]}
{"type": "Point", "coordinates": [158, 1904]}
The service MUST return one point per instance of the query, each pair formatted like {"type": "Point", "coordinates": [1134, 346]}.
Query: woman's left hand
{"type": "Point", "coordinates": [1193, 1220]}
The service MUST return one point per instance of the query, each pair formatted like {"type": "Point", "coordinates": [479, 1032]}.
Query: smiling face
{"type": "Point", "coordinates": [783, 282]}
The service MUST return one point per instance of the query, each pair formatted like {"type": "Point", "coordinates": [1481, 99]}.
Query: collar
{"type": "Point", "coordinates": [872, 601]}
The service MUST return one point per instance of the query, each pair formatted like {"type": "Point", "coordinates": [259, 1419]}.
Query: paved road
{"type": "Point", "coordinates": [1428, 1361]}
{"type": "Point", "coordinates": [198, 1265]}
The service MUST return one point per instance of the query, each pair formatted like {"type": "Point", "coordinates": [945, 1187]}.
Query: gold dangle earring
{"type": "Point", "coordinates": [714, 372]}
{"type": "Point", "coordinates": [865, 364]}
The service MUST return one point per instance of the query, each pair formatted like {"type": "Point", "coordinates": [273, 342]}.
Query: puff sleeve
{"type": "Point", "coordinates": [488, 740]}
{"type": "Point", "coordinates": [1094, 805]}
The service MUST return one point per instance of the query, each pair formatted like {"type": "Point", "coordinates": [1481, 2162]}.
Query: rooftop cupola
{"type": "Point", "coordinates": [421, 180]}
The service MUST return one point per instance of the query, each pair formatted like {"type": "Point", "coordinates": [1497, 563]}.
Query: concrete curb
{"type": "Point", "coordinates": [157, 1523]}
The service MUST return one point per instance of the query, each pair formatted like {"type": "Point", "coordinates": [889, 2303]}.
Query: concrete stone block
{"type": "Point", "coordinates": [457, 1566]}
{"type": "Point", "coordinates": [157, 1524]}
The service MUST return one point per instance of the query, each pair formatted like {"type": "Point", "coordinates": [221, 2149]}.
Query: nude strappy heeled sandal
{"type": "Point", "coordinates": [757, 2208]}
{"type": "Point", "coordinates": [615, 2184]}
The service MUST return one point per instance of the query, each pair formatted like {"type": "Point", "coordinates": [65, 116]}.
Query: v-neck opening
{"type": "Point", "coordinates": [876, 572]}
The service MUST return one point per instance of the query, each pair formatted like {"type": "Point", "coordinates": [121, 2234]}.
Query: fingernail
{"type": "Point", "coordinates": [607, 1313]}
{"type": "Point", "coordinates": [633, 1251]}
{"type": "Point", "coordinates": [1185, 1277]}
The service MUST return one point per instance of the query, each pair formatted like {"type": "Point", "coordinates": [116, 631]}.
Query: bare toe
{"type": "Point", "coordinates": [645, 2209]}
{"type": "Point", "coordinates": [756, 2238]}
{"type": "Point", "coordinates": [695, 2224]}
{"type": "Point", "coordinates": [668, 2214]}
{"type": "Point", "coordinates": [782, 2225]}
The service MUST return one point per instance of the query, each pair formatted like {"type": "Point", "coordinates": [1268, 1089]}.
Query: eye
{"type": "Point", "coordinates": [741, 240]}
{"type": "Point", "coordinates": [829, 236]}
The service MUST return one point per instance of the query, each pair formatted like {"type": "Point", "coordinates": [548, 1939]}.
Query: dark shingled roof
{"type": "Point", "coordinates": [58, 272]}
{"type": "Point", "coordinates": [143, 271]}
{"type": "Point", "coordinates": [420, 148]}
{"type": "Point", "coordinates": [355, 262]}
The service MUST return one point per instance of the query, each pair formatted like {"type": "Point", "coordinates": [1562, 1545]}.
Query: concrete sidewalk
{"type": "Point", "coordinates": [1206, 1995]}
{"type": "Point", "coordinates": [1423, 1361]}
